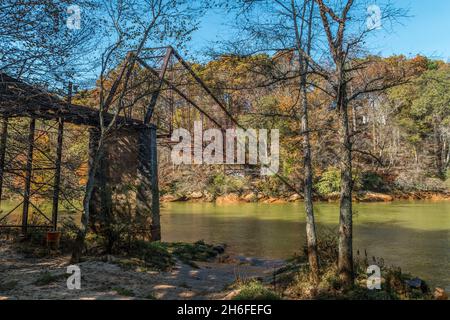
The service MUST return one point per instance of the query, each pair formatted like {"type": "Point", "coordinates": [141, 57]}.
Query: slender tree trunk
{"type": "Point", "coordinates": [97, 151]}
{"type": "Point", "coordinates": [345, 259]}
{"type": "Point", "coordinates": [309, 208]}
{"type": "Point", "coordinates": [311, 238]}
{"type": "Point", "coordinates": [354, 119]}
{"type": "Point", "coordinates": [438, 153]}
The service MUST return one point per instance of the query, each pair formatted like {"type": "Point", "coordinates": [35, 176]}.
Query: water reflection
{"type": "Point", "coordinates": [413, 235]}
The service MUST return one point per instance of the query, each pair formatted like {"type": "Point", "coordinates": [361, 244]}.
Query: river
{"type": "Point", "coordinates": [412, 235]}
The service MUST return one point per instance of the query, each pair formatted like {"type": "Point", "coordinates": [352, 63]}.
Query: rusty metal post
{"type": "Point", "coordinates": [57, 179]}
{"type": "Point", "coordinates": [3, 141]}
{"type": "Point", "coordinates": [162, 72]}
{"type": "Point", "coordinates": [28, 173]}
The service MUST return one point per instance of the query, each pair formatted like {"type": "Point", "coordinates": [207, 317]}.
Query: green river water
{"type": "Point", "coordinates": [412, 235]}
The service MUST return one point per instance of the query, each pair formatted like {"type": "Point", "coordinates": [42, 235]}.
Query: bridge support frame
{"type": "Point", "coordinates": [130, 157]}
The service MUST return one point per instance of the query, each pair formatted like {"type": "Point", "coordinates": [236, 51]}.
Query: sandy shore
{"type": "Point", "coordinates": [19, 277]}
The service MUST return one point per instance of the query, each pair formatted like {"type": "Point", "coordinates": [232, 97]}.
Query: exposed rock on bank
{"type": "Point", "coordinates": [249, 197]}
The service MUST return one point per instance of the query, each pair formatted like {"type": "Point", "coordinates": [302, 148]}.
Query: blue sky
{"type": "Point", "coordinates": [426, 31]}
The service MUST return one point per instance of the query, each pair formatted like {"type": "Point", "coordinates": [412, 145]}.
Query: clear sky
{"type": "Point", "coordinates": [426, 31]}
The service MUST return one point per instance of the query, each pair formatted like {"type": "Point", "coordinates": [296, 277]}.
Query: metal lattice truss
{"type": "Point", "coordinates": [164, 92]}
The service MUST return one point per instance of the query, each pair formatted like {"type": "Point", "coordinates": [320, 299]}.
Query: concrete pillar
{"type": "Point", "coordinates": [100, 206]}
{"type": "Point", "coordinates": [147, 198]}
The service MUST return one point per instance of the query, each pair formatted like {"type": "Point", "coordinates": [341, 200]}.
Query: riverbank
{"type": "Point", "coordinates": [253, 197]}
{"type": "Point", "coordinates": [24, 277]}
{"type": "Point", "coordinates": [102, 278]}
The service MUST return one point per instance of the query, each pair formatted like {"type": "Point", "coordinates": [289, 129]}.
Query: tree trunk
{"type": "Point", "coordinates": [345, 259]}
{"type": "Point", "coordinates": [311, 239]}
{"type": "Point", "coordinates": [438, 153]}
{"type": "Point", "coordinates": [97, 152]}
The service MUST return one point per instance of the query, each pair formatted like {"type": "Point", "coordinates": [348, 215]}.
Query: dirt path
{"type": "Point", "coordinates": [19, 277]}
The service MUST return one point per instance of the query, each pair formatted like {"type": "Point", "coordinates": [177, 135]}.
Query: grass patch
{"type": "Point", "coordinates": [8, 285]}
{"type": "Point", "coordinates": [149, 255]}
{"type": "Point", "coordinates": [150, 296]}
{"type": "Point", "coordinates": [46, 278]}
{"type": "Point", "coordinates": [124, 292]}
{"type": "Point", "coordinates": [295, 281]}
{"type": "Point", "coordinates": [255, 290]}
{"type": "Point", "coordinates": [189, 252]}
{"type": "Point", "coordinates": [162, 256]}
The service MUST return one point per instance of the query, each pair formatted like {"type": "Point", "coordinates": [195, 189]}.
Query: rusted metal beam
{"type": "Point", "coordinates": [57, 180]}
{"type": "Point", "coordinates": [205, 87]}
{"type": "Point", "coordinates": [29, 168]}
{"type": "Point", "coordinates": [3, 141]}
{"type": "Point", "coordinates": [28, 226]}
{"type": "Point", "coordinates": [181, 94]}
{"type": "Point", "coordinates": [19, 99]}
{"type": "Point", "coordinates": [162, 73]}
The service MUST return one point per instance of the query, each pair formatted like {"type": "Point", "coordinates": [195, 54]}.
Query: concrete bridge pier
{"type": "Point", "coordinates": [126, 183]}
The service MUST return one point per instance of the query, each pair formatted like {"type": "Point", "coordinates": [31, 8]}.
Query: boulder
{"type": "Point", "coordinates": [273, 200]}
{"type": "Point", "coordinates": [260, 196]}
{"type": "Point", "coordinates": [334, 196]}
{"type": "Point", "coordinates": [168, 198]}
{"type": "Point", "coordinates": [414, 283]}
{"type": "Point", "coordinates": [249, 197]}
{"type": "Point", "coordinates": [208, 197]}
{"type": "Point", "coordinates": [440, 294]}
{"type": "Point", "coordinates": [417, 283]}
{"type": "Point", "coordinates": [228, 199]}
{"type": "Point", "coordinates": [195, 195]}
{"type": "Point", "coordinates": [219, 248]}
{"type": "Point", "coordinates": [270, 200]}
{"type": "Point", "coordinates": [294, 197]}
{"type": "Point", "coordinates": [374, 197]}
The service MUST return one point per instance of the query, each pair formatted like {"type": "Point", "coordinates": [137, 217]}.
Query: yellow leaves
{"type": "Point", "coordinates": [286, 103]}
{"type": "Point", "coordinates": [82, 173]}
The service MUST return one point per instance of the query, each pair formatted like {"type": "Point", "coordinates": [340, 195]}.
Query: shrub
{"type": "Point", "coordinates": [394, 283]}
{"type": "Point", "coordinates": [271, 186]}
{"type": "Point", "coordinates": [372, 181]}
{"type": "Point", "coordinates": [329, 182]}
{"type": "Point", "coordinates": [46, 278]}
{"type": "Point", "coordinates": [162, 256]}
{"type": "Point", "coordinates": [220, 184]}
{"type": "Point", "coordinates": [124, 292]}
{"type": "Point", "coordinates": [198, 251]}
{"type": "Point", "coordinates": [255, 290]}
{"type": "Point", "coordinates": [152, 255]}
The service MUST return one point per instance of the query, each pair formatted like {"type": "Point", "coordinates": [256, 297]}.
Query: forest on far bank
{"type": "Point", "coordinates": [401, 136]}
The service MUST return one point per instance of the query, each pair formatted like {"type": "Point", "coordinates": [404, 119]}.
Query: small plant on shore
{"type": "Point", "coordinates": [221, 184]}
{"type": "Point", "coordinates": [46, 278]}
{"type": "Point", "coordinates": [151, 255]}
{"type": "Point", "coordinates": [124, 292]}
{"type": "Point", "coordinates": [162, 256]}
{"type": "Point", "coordinates": [151, 296]}
{"type": "Point", "coordinates": [8, 285]}
{"type": "Point", "coordinates": [395, 284]}
{"type": "Point", "coordinates": [255, 290]}
{"type": "Point", "coordinates": [187, 252]}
